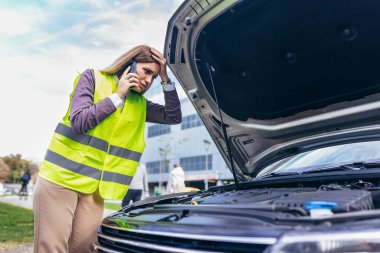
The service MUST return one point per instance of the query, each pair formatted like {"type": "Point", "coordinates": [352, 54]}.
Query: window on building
{"type": "Point", "coordinates": [195, 163]}
{"type": "Point", "coordinates": [154, 167]}
{"type": "Point", "coordinates": [158, 129]}
{"type": "Point", "coordinates": [191, 121]}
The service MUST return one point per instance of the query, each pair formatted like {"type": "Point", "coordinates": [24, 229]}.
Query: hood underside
{"type": "Point", "coordinates": [289, 76]}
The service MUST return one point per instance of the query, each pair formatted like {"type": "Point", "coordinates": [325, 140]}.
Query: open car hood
{"type": "Point", "coordinates": [289, 76]}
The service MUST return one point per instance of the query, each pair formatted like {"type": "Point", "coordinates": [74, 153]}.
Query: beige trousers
{"type": "Point", "coordinates": [65, 220]}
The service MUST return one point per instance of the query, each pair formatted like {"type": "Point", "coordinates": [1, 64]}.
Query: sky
{"type": "Point", "coordinates": [44, 44]}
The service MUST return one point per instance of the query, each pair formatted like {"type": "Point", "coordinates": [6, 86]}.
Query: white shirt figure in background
{"type": "Point", "coordinates": [138, 189]}
{"type": "Point", "coordinates": [177, 179]}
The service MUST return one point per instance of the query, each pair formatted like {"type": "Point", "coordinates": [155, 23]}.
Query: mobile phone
{"type": "Point", "coordinates": [133, 67]}
{"type": "Point", "coordinates": [131, 70]}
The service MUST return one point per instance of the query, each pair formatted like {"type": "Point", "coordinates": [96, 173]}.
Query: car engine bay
{"type": "Point", "coordinates": [228, 219]}
{"type": "Point", "coordinates": [356, 196]}
{"type": "Point", "coordinates": [272, 205]}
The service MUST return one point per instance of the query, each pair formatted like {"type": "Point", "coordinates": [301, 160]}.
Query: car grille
{"type": "Point", "coordinates": [112, 239]}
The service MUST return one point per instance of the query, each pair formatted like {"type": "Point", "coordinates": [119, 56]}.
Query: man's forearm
{"type": "Point", "coordinates": [168, 114]}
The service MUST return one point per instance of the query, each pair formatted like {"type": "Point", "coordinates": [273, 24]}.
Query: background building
{"type": "Point", "coordinates": [188, 143]}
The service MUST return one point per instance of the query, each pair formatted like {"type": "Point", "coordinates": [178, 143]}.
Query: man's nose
{"type": "Point", "coordinates": [148, 80]}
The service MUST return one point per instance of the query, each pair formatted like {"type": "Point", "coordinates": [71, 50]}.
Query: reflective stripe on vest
{"type": "Point", "coordinates": [104, 158]}
{"type": "Point", "coordinates": [78, 168]}
{"type": "Point", "coordinates": [81, 138]}
{"type": "Point", "coordinates": [86, 170]}
{"type": "Point", "coordinates": [97, 143]}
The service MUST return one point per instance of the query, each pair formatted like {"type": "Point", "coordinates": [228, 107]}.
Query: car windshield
{"type": "Point", "coordinates": [325, 157]}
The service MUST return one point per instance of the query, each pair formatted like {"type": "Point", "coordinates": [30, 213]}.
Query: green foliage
{"type": "Point", "coordinates": [4, 171]}
{"type": "Point", "coordinates": [17, 166]}
{"type": "Point", "coordinates": [16, 224]}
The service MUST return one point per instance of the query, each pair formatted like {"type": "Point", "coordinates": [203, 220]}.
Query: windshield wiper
{"type": "Point", "coordinates": [279, 174]}
{"type": "Point", "coordinates": [356, 166]}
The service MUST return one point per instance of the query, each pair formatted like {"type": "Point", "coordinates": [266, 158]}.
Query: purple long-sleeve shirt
{"type": "Point", "coordinates": [85, 115]}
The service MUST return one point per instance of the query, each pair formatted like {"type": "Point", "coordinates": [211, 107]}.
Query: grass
{"type": "Point", "coordinates": [112, 206]}
{"type": "Point", "coordinates": [16, 224]}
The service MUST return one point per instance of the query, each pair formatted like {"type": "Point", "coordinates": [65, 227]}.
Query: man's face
{"type": "Point", "coordinates": [147, 72]}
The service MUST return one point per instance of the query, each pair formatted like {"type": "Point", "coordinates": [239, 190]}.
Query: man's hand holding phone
{"type": "Point", "coordinates": [128, 80]}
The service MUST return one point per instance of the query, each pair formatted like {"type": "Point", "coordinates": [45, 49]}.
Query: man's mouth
{"type": "Point", "coordinates": [143, 86]}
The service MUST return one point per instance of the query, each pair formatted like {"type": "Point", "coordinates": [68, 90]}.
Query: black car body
{"type": "Point", "coordinates": [289, 92]}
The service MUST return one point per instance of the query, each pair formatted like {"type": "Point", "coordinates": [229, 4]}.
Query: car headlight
{"type": "Point", "coordinates": [338, 242]}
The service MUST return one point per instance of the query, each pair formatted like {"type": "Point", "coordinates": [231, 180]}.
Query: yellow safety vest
{"type": "Point", "coordinates": [104, 158]}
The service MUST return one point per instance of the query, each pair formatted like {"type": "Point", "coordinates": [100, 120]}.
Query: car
{"type": "Point", "coordinates": [290, 93]}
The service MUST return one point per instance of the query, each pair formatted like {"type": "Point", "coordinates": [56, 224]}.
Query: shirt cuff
{"type": "Point", "coordinates": [168, 87]}
{"type": "Point", "coordinates": [116, 100]}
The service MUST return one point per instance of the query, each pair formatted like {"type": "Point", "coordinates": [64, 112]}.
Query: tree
{"type": "Point", "coordinates": [4, 171]}
{"type": "Point", "coordinates": [17, 166]}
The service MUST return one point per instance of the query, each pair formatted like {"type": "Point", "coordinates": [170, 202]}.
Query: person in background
{"type": "Point", "coordinates": [176, 180]}
{"type": "Point", "coordinates": [138, 187]}
{"type": "Point", "coordinates": [25, 178]}
{"type": "Point", "coordinates": [96, 147]}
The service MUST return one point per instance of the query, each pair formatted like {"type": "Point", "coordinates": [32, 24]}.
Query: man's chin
{"type": "Point", "coordinates": [138, 92]}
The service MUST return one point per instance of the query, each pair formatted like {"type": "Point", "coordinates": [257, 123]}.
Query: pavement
{"type": "Point", "coordinates": [26, 202]}
{"type": "Point", "coordinates": [20, 248]}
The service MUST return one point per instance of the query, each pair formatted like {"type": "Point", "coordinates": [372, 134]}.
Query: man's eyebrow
{"type": "Point", "coordinates": [149, 69]}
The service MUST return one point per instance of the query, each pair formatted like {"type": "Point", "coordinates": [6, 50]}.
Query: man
{"type": "Point", "coordinates": [24, 183]}
{"type": "Point", "coordinates": [138, 186]}
{"type": "Point", "coordinates": [96, 147]}
{"type": "Point", "coordinates": [177, 179]}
